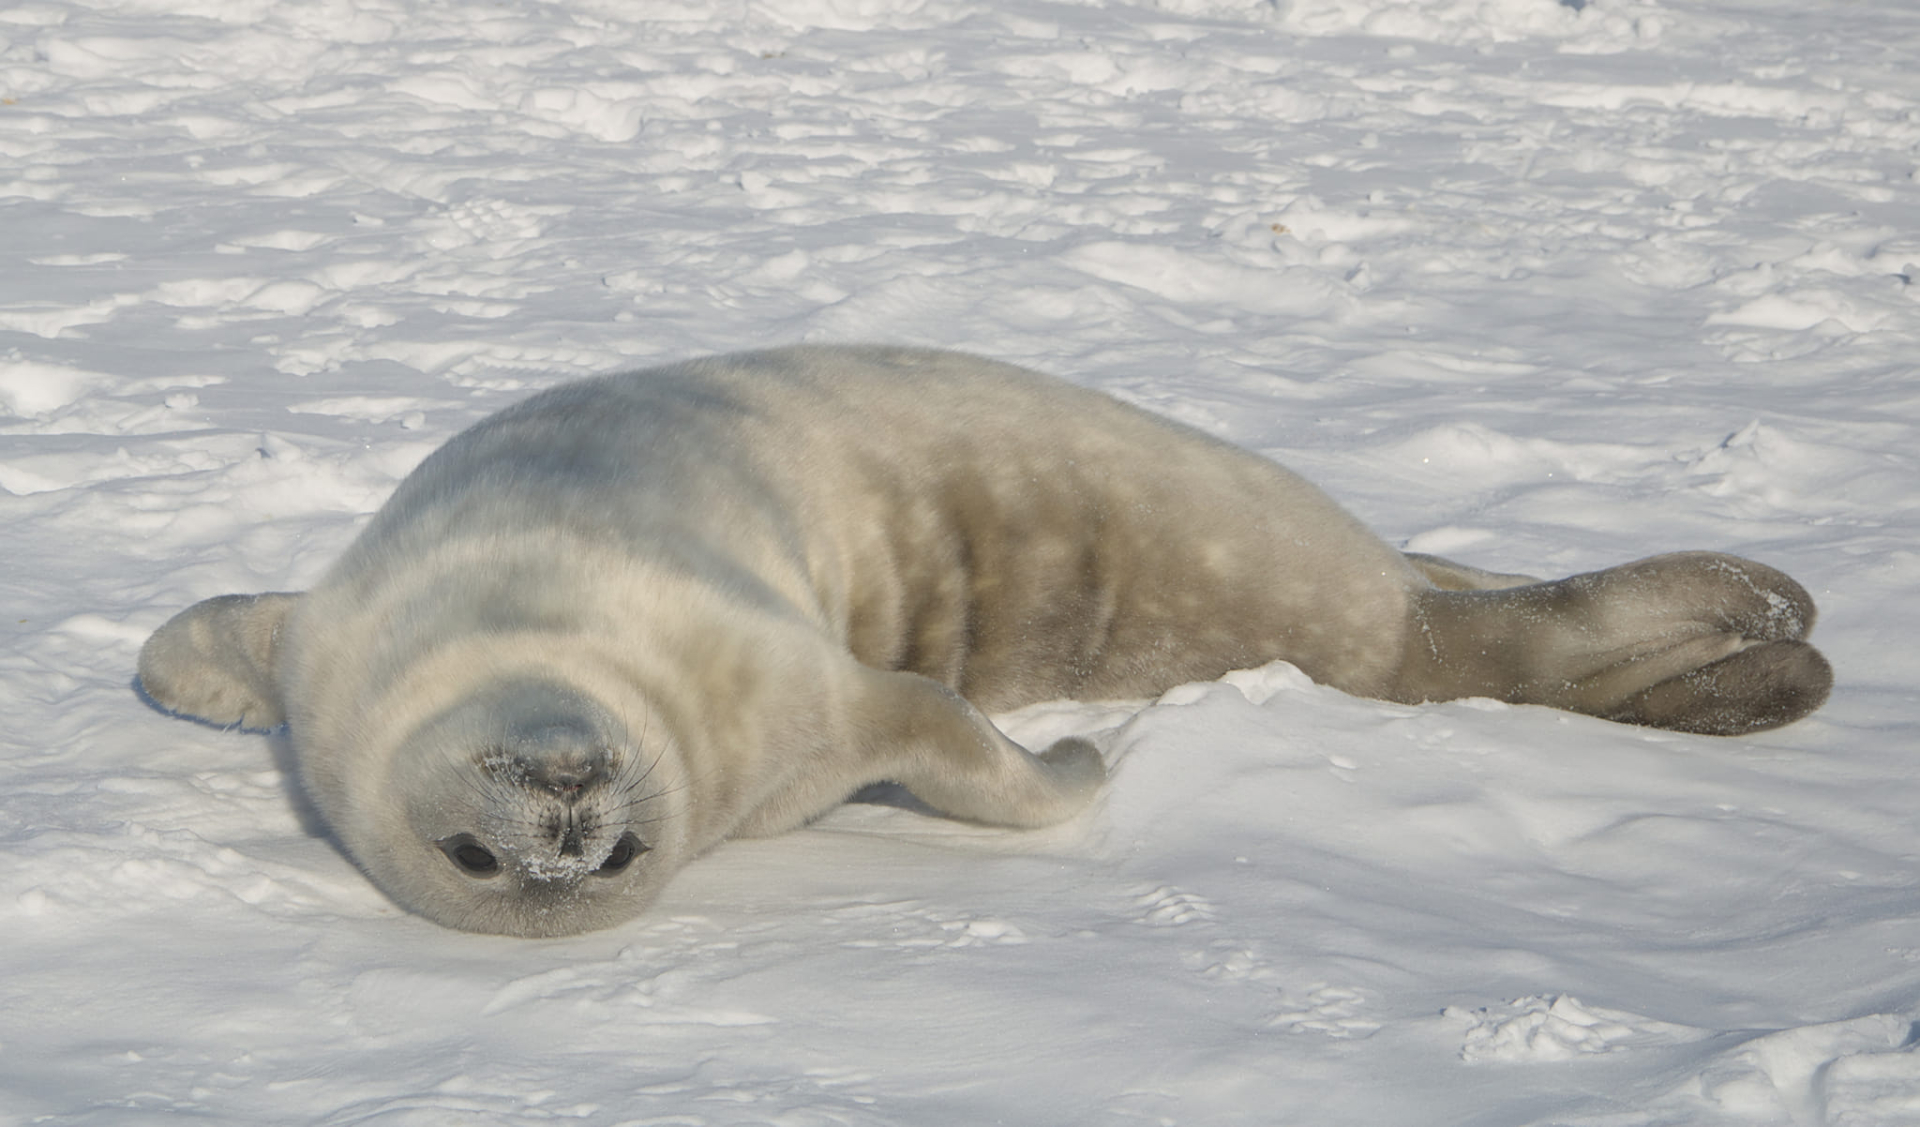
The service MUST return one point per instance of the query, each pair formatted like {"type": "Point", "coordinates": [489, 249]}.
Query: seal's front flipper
{"type": "Point", "coordinates": [215, 661]}
{"type": "Point", "coordinates": [928, 739]}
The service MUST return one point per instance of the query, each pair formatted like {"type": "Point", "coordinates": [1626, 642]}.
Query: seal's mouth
{"type": "Point", "coordinates": [479, 860]}
{"type": "Point", "coordinates": [569, 790]}
{"type": "Point", "coordinates": [575, 866]}
{"type": "Point", "coordinates": [569, 825]}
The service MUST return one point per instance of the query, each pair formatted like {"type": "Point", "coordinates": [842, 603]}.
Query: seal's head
{"type": "Point", "coordinates": [526, 809]}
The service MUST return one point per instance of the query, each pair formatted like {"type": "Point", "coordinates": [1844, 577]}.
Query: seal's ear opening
{"type": "Point", "coordinates": [216, 661]}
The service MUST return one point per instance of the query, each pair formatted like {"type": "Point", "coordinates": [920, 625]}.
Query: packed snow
{"type": "Point", "coordinates": [1542, 285]}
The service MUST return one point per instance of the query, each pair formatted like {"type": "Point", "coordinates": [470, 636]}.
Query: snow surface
{"type": "Point", "coordinates": [1541, 284]}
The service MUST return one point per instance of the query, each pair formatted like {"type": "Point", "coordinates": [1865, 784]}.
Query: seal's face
{"type": "Point", "coordinates": [527, 812]}
{"type": "Point", "coordinates": [551, 812]}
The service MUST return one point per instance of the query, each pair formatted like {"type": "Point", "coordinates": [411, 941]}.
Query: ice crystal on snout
{"type": "Point", "coordinates": [504, 766]}
{"type": "Point", "coordinates": [559, 867]}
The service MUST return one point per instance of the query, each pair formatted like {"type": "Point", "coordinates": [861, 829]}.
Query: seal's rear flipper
{"type": "Point", "coordinates": [1763, 687]}
{"type": "Point", "coordinates": [1692, 641]}
{"type": "Point", "coordinates": [215, 661]}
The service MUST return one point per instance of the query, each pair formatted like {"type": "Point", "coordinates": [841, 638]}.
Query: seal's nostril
{"type": "Point", "coordinates": [564, 777]}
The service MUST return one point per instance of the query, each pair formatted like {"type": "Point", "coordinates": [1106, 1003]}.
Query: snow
{"type": "Point", "coordinates": [1541, 284]}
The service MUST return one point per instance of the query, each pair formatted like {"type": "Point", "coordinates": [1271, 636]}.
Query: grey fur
{"type": "Point", "coordinates": [610, 627]}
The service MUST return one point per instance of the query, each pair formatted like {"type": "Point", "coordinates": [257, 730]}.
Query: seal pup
{"type": "Point", "coordinates": [605, 629]}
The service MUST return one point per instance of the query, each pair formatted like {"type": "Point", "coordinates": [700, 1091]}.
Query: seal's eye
{"type": "Point", "coordinates": [473, 858]}
{"type": "Point", "coordinates": [624, 851]}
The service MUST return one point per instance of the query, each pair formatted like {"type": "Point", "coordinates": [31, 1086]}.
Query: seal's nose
{"type": "Point", "coordinates": [567, 776]}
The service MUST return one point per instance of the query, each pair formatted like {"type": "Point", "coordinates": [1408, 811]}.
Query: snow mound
{"type": "Point", "coordinates": [1557, 1028]}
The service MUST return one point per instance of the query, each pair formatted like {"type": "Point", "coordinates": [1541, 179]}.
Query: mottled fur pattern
{"type": "Point", "coordinates": [608, 628]}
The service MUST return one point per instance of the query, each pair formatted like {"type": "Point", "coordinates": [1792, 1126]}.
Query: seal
{"type": "Point", "coordinates": [610, 627]}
